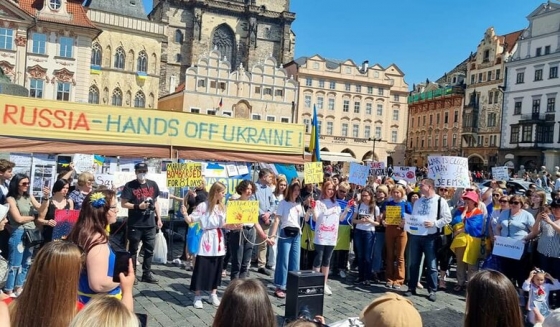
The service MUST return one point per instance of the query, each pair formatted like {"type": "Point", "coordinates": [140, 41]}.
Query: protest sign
{"type": "Point", "coordinates": [405, 173]}
{"type": "Point", "coordinates": [83, 163]}
{"type": "Point", "coordinates": [65, 220]}
{"type": "Point", "coordinates": [414, 224]}
{"type": "Point", "coordinates": [449, 171]}
{"type": "Point", "coordinates": [500, 173]}
{"type": "Point", "coordinates": [358, 174]}
{"type": "Point", "coordinates": [313, 172]}
{"type": "Point", "coordinates": [393, 215]}
{"type": "Point", "coordinates": [508, 247]}
{"type": "Point", "coordinates": [242, 212]}
{"type": "Point", "coordinates": [377, 168]}
{"type": "Point", "coordinates": [184, 174]}
{"type": "Point", "coordinates": [105, 180]}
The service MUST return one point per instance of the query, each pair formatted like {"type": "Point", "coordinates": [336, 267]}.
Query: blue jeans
{"type": "Point", "coordinates": [19, 261]}
{"type": "Point", "coordinates": [427, 246]}
{"type": "Point", "coordinates": [378, 252]}
{"type": "Point", "coordinates": [365, 241]}
{"type": "Point", "coordinates": [287, 258]}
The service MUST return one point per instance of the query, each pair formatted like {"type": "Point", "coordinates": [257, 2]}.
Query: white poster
{"type": "Point", "coordinates": [449, 171]}
{"type": "Point", "coordinates": [377, 168]}
{"type": "Point", "coordinates": [23, 163]}
{"type": "Point", "coordinates": [41, 176]}
{"type": "Point", "coordinates": [119, 180]}
{"type": "Point", "coordinates": [84, 163]}
{"type": "Point", "coordinates": [232, 170]}
{"type": "Point", "coordinates": [500, 173]}
{"type": "Point", "coordinates": [105, 180]}
{"type": "Point", "coordinates": [414, 224]}
{"type": "Point", "coordinates": [163, 197]}
{"type": "Point", "coordinates": [508, 247]}
{"type": "Point", "coordinates": [405, 173]}
{"type": "Point", "coordinates": [242, 169]}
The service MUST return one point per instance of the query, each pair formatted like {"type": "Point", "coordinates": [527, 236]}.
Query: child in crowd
{"type": "Point", "coordinates": [538, 292]}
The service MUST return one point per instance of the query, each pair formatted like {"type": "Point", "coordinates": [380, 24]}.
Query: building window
{"type": "Point", "coordinates": [201, 83]}
{"type": "Point", "coordinates": [496, 96]}
{"type": "Point", "coordinates": [346, 105]}
{"type": "Point", "coordinates": [498, 71]}
{"type": "Point", "coordinates": [517, 108]}
{"type": "Point", "coordinates": [347, 87]}
{"type": "Point", "coordinates": [93, 96]}
{"type": "Point", "coordinates": [267, 91]}
{"type": "Point", "coordinates": [330, 126]}
{"type": "Point", "coordinates": [491, 122]}
{"type": "Point", "coordinates": [6, 38]}
{"type": "Point", "coordinates": [142, 64]}
{"type": "Point", "coordinates": [424, 120]}
{"type": "Point", "coordinates": [307, 101]}
{"type": "Point", "coordinates": [377, 132]}
{"type": "Point", "coordinates": [370, 89]}
{"type": "Point", "coordinates": [367, 132]}
{"type": "Point", "coordinates": [446, 118]}
{"type": "Point", "coordinates": [514, 138]}
{"type": "Point", "coordinates": [39, 43]}
{"type": "Point", "coordinates": [536, 106]}
{"type": "Point", "coordinates": [178, 36]}
{"type": "Point", "coordinates": [396, 115]}
{"type": "Point", "coordinates": [538, 52]}
{"type": "Point", "coordinates": [332, 85]}
{"type": "Point", "coordinates": [63, 91]}
{"type": "Point", "coordinates": [278, 93]}
{"type": "Point", "coordinates": [437, 118]}
{"type": "Point", "coordinates": [195, 111]}
{"type": "Point", "coordinates": [394, 136]}
{"type": "Point", "coordinates": [344, 131]}
{"type": "Point", "coordinates": [285, 120]}
{"type": "Point", "coordinates": [454, 140]}
{"type": "Point", "coordinates": [315, 65]}
{"type": "Point", "coordinates": [307, 123]}
{"type": "Point", "coordinates": [258, 90]}
{"type": "Point", "coordinates": [36, 88]}
{"type": "Point", "coordinates": [456, 116]}
{"type": "Point", "coordinates": [520, 78]}
{"type": "Point", "coordinates": [319, 102]}
{"type": "Point", "coordinates": [356, 107]}
{"type": "Point", "coordinates": [545, 133]}
{"type": "Point", "coordinates": [380, 91]}
{"type": "Point", "coordinates": [547, 49]}
{"type": "Point", "coordinates": [479, 140]}
{"type": "Point", "coordinates": [553, 72]}
{"type": "Point", "coordinates": [472, 79]}
{"type": "Point", "coordinates": [331, 104]}
{"type": "Point", "coordinates": [55, 4]}
{"type": "Point", "coordinates": [486, 56]}
{"type": "Point", "coordinates": [436, 142]}
{"type": "Point", "coordinates": [431, 119]}
{"type": "Point", "coordinates": [256, 117]}
{"type": "Point", "coordinates": [412, 122]}
{"type": "Point", "coordinates": [211, 112]}
{"type": "Point", "coordinates": [527, 133]}
{"type": "Point", "coordinates": [96, 55]}
{"type": "Point", "coordinates": [368, 108]}
{"type": "Point", "coordinates": [66, 46]}
{"type": "Point", "coordinates": [116, 98]}
{"type": "Point", "coordinates": [308, 82]}
{"type": "Point", "coordinates": [379, 110]}
{"type": "Point", "coordinates": [444, 141]}
{"type": "Point", "coordinates": [119, 58]}
{"type": "Point", "coordinates": [321, 83]}
{"type": "Point", "coordinates": [489, 77]}
{"type": "Point", "coordinates": [538, 74]}
{"type": "Point", "coordinates": [358, 88]}
{"type": "Point", "coordinates": [270, 118]}
{"type": "Point", "coordinates": [355, 130]}
{"type": "Point", "coordinates": [480, 77]}
{"type": "Point", "coordinates": [490, 97]}
{"type": "Point", "coordinates": [140, 100]}
{"type": "Point", "coordinates": [550, 104]}
{"type": "Point", "coordinates": [396, 98]}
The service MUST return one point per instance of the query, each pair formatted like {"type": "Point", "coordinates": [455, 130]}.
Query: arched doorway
{"type": "Point", "coordinates": [223, 39]}
{"type": "Point", "coordinates": [389, 161]}
{"type": "Point", "coordinates": [367, 156]}
{"type": "Point", "coordinates": [349, 152]}
{"type": "Point", "coordinates": [325, 149]}
{"type": "Point", "coordinates": [476, 162]}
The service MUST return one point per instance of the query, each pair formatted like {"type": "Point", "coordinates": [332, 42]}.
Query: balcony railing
{"type": "Point", "coordinates": [470, 129]}
{"type": "Point", "coordinates": [551, 116]}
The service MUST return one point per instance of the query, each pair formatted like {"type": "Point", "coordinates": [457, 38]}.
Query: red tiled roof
{"type": "Point", "coordinates": [74, 8]}
{"type": "Point", "coordinates": [180, 88]}
{"type": "Point", "coordinates": [510, 39]}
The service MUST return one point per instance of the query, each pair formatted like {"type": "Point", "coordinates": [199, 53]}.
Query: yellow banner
{"type": "Point", "coordinates": [242, 212]}
{"type": "Point", "coordinates": [393, 215]}
{"type": "Point", "coordinates": [58, 120]}
{"type": "Point", "coordinates": [184, 174]}
{"type": "Point", "coordinates": [313, 172]}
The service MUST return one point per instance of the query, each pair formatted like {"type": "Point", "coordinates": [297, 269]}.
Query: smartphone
{"type": "Point", "coordinates": [121, 265]}
{"type": "Point", "coordinates": [143, 319]}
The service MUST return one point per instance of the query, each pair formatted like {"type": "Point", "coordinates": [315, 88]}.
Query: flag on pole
{"type": "Point", "coordinates": [314, 147]}
{"type": "Point", "coordinates": [221, 103]}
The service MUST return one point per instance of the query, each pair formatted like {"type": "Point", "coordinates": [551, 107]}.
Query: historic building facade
{"type": "Point", "coordinates": [44, 46]}
{"type": "Point", "coordinates": [482, 111]}
{"type": "Point", "coordinates": [244, 31]}
{"type": "Point", "coordinates": [266, 92]}
{"type": "Point", "coordinates": [530, 129]}
{"type": "Point", "coordinates": [355, 105]}
{"type": "Point", "coordinates": [435, 117]}
{"type": "Point", "coordinates": [125, 57]}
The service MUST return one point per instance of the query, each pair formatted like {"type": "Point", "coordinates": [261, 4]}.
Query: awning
{"type": "Point", "coordinates": [337, 157]}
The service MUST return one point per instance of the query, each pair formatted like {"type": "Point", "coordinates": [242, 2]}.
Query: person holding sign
{"type": "Point", "coordinates": [392, 214]}
{"type": "Point", "coordinates": [59, 201]}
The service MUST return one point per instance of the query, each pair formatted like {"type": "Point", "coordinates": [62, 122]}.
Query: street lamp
{"type": "Point", "coordinates": [374, 139]}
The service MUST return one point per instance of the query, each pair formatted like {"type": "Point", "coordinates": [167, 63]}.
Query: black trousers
{"type": "Point", "coordinates": [148, 237]}
{"type": "Point", "coordinates": [241, 251]}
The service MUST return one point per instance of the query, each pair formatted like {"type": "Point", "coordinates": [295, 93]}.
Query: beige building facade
{"type": "Point", "coordinates": [266, 92]}
{"type": "Point", "coordinates": [243, 31]}
{"type": "Point", "coordinates": [355, 105]}
{"type": "Point", "coordinates": [125, 57]}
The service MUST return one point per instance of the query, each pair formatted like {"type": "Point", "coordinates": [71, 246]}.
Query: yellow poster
{"type": "Point", "coordinates": [313, 172]}
{"type": "Point", "coordinates": [59, 120]}
{"type": "Point", "coordinates": [184, 174]}
{"type": "Point", "coordinates": [242, 212]}
{"type": "Point", "coordinates": [393, 215]}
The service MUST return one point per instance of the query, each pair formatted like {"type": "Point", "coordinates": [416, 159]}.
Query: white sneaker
{"type": "Point", "coordinates": [213, 299]}
{"type": "Point", "coordinates": [327, 290]}
{"type": "Point", "coordinates": [177, 261]}
{"type": "Point", "coordinates": [342, 274]}
{"type": "Point", "coordinates": [198, 302]}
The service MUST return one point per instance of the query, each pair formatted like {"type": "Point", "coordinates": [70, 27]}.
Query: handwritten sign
{"type": "Point", "coordinates": [414, 224]}
{"type": "Point", "coordinates": [313, 172]}
{"type": "Point", "coordinates": [508, 247]}
{"type": "Point", "coordinates": [393, 215]}
{"type": "Point", "coordinates": [358, 174]}
{"type": "Point", "coordinates": [449, 171]}
{"type": "Point", "coordinates": [65, 220]}
{"type": "Point", "coordinates": [242, 212]}
{"type": "Point", "coordinates": [500, 173]}
{"type": "Point", "coordinates": [377, 168]}
{"type": "Point", "coordinates": [184, 174]}
{"type": "Point", "coordinates": [405, 173]}
{"type": "Point", "coordinates": [105, 180]}
{"type": "Point", "coordinates": [83, 163]}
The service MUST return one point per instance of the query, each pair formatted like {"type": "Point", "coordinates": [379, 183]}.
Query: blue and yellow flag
{"type": "Point", "coordinates": [314, 147]}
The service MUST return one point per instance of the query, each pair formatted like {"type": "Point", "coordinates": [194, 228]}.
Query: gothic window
{"type": "Point", "coordinates": [142, 65]}
{"type": "Point", "coordinates": [224, 40]}
{"type": "Point", "coordinates": [93, 96]}
{"type": "Point", "coordinates": [139, 100]}
{"type": "Point", "coordinates": [119, 58]}
{"type": "Point", "coordinates": [178, 36]}
{"type": "Point", "coordinates": [116, 99]}
{"type": "Point", "coordinates": [96, 55]}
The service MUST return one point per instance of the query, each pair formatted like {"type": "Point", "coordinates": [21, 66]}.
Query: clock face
{"type": "Point", "coordinates": [55, 4]}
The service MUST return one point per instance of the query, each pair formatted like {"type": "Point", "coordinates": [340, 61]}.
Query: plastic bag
{"type": "Point", "coordinates": [193, 238]}
{"type": "Point", "coordinates": [160, 249]}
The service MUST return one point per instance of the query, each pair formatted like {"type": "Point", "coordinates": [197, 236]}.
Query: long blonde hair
{"type": "Point", "coordinates": [104, 311]}
{"type": "Point", "coordinates": [213, 201]}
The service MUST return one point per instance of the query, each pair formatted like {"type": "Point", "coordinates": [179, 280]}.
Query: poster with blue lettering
{"type": "Point", "coordinates": [348, 219]}
{"type": "Point", "coordinates": [358, 174]}
{"type": "Point", "coordinates": [449, 171]}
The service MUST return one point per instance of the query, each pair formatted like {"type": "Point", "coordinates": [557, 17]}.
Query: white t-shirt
{"type": "Point", "coordinates": [363, 209]}
{"type": "Point", "coordinates": [289, 213]}
{"type": "Point", "coordinates": [212, 243]}
{"type": "Point", "coordinates": [328, 218]}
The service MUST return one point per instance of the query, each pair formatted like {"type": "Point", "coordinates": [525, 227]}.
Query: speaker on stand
{"type": "Point", "coordinates": [304, 294]}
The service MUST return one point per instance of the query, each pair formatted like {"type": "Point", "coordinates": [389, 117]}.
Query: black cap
{"type": "Point", "coordinates": [555, 203]}
{"type": "Point", "coordinates": [140, 165]}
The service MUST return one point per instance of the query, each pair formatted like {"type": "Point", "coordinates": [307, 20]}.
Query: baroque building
{"type": "Point", "coordinates": [125, 57]}
{"type": "Point", "coordinates": [266, 92]}
{"type": "Point", "coordinates": [435, 115]}
{"type": "Point", "coordinates": [355, 106]}
{"type": "Point", "coordinates": [243, 31]}
{"type": "Point", "coordinates": [44, 46]}
{"type": "Point", "coordinates": [482, 109]}
{"type": "Point", "coordinates": [530, 128]}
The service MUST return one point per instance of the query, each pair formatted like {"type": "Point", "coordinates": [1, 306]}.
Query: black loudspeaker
{"type": "Point", "coordinates": [304, 294]}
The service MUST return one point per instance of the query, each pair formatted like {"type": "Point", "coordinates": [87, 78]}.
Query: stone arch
{"type": "Point", "coordinates": [325, 149]}
{"type": "Point", "coordinates": [349, 152]}
{"type": "Point", "coordinates": [367, 156]}
{"type": "Point", "coordinates": [223, 40]}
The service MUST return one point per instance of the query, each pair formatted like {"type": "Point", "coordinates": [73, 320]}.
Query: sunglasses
{"type": "Point", "coordinates": [24, 184]}
{"type": "Point", "coordinates": [469, 189]}
{"type": "Point", "coordinates": [514, 202]}
{"type": "Point", "coordinates": [443, 190]}
{"type": "Point", "coordinates": [503, 201]}
{"type": "Point", "coordinates": [496, 195]}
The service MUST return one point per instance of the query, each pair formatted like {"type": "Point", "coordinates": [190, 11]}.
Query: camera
{"type": "Point", "coordinates": [150, 202]}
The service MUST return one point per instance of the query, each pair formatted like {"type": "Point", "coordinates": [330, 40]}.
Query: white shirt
{"type": "Point", "coordinates": [212, 243]}
{"type": "Point", "coordinates": [363, 209]}
{"type": "Point", "coordinates": [328, 218]}
{"type": "Point", "coordinates": [428, 207]}
{"type": "Point", "coordinates": [290, 213]}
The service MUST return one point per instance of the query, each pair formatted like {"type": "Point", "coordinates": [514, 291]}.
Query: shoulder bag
{"type": "Point", "coordinates": [32, 237]}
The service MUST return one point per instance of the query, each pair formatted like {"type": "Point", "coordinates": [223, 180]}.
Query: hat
{"type": "Point", "coordinates": [140, 165]}
{"type": "Point", "coordinates": [501, 184]}
{"type": "Point", "coordinates": [391, 310]}
{"type": "Point", "coordinates": [471, 195]}
{"type": "Point", "coordinates": [553, 319]}
{"type": "Point", "coordinates": [484, 190]}
{"type": "Point", "coordinates": [402, 182]}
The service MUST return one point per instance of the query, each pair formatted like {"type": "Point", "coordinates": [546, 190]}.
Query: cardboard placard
{"type": "Point", "coordinates": [393, 215]}
{"type": "Point", "coordinates": [184, 174]}
{"type": "Point", "coordinates": [242, 212]}
{"type": "Point", "coordinates": [449, 171]}
{"type": "Point", "coordinates": [313, 172]}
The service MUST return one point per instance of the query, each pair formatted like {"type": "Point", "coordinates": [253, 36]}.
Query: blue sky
{"type": "Point", "coordinates": [424, 38]}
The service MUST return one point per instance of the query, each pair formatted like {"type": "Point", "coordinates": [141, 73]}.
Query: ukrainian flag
{"type": "Point", "coordinates": [314, 147]}
{"type": "Point", "coordinates": [141, 75]}
{"type": "Point", "coordinates": [95, 69]}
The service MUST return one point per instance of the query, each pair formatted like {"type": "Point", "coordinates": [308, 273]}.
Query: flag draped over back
{"type": "Point", "coordinates": [314, 140]}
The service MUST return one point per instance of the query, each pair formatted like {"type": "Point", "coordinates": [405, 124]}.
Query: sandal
{"type": "Point", "coordinates": [279, 293]}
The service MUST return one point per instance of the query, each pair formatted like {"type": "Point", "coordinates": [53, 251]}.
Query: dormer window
{"type": "Point", "coordinates": [55, 4]}
{"type": "Point", "coordinates": [486, 56]}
